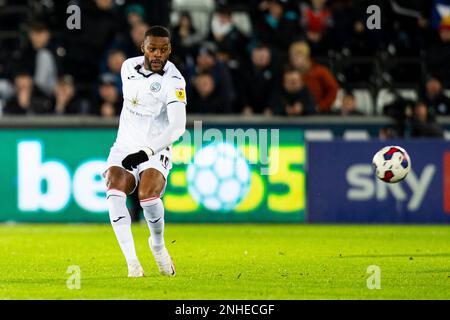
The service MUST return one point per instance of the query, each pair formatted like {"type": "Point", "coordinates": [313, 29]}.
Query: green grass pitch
{"type": "Point", "coordinates": [246, 261]}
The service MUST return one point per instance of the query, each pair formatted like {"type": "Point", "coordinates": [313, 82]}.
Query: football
{"type": "Point", "coordinates": [391, 164]}
{"type": "Point", "coordinates": [219, 177]}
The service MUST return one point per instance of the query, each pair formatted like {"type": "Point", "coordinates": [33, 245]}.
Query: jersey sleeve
{"type": "Point", "coordinates": [176, 115]}
{"type": "Point", "coordinates": [176, 91]}
{"type": "Point", "coordinates": [124, 73]}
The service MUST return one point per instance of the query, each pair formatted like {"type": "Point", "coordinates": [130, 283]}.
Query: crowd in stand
{"type": "Point", "coordinates": [274, 70]}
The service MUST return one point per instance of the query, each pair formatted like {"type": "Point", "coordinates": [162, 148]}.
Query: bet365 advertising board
{"type": "Point", "coordinates": [218, 175]}
{"type": "Point", "coordinates": [341, 186]}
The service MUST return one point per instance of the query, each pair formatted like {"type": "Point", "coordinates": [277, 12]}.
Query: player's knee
{"type": "Point", "coordinates": [116, 179]}
{"type": "Point", "coordinates": [148, 193]}
{"type": "Point", "coordinates": [151, 184]}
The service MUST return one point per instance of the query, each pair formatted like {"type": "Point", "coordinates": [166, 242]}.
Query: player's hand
{"type": "Point", "coordinates": [131, 161]}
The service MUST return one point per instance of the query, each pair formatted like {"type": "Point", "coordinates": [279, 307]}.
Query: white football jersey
{"type": "Point", "coordinates": [146, 95]}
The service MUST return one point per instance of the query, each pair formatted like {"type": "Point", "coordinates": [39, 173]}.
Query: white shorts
{"type": "Point", "coordinates": [161, 161]}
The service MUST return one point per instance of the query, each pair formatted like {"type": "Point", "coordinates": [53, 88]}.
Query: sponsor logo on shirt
{"type": "Point", "coordinates": [134, 102]}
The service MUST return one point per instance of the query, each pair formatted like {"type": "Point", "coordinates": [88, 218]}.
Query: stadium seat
{"type": "Point", "coordinates": [200, 20]}
{"type": "Point", "coordinates": [356, 135]}
{"type": "Point", "coordinates": [447, 92]}
{"type": "Point", "coordinates": [6, 89]}
{"type": "Point", "coordinates": [179, 5]}
{"type": "Point", "coordinates": [318, 135]}
{"type": "Point", "coordinates": [363, 97]}
{"type": "Point", "coordinates": [400, 69]}
{"type": "Point", "coordinates": [200, 11]}
{"type": "Point", "coordinates": [386, 96]}
{"type": "Point", "coordinates": [410, 94]}
{"type": "Point", "coordinates": [364, 101]}
{"type": "Point", "coordinates": [338, 102]}
{"type": "Point", "coordinates": [242, 21]}
{"type": "Point", "coordinates": [446, 134]}
{"type": "Point", "coordinates": [353, 70]}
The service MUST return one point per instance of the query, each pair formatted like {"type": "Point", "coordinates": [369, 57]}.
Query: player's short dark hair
{"type": "Point", "coordinates": [158, 31]}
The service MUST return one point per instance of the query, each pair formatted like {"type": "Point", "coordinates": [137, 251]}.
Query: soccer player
{"type": "Point", "coordinates": [152, 118]}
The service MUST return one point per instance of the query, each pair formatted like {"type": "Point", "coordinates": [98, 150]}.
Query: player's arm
{"type": "Point", "coordinates": [176, 114]}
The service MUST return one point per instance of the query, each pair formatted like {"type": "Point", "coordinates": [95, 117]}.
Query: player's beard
{"type": "Point", "coordinates": [148, 63]}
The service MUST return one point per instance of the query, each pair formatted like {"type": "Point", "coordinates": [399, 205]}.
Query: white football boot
{"type": "Point", "coordinates": [135, 270]}
{"type": "Point", "coordinates": [163, 260]}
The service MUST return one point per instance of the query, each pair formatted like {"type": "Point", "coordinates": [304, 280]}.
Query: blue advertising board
{"type": "Point", "coordinates": [342, 187]}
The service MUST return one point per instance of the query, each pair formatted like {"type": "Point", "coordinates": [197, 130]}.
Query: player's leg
{"type": "Point", "coordinates": [151, 185]}
{"type": "Point", "coordinates": [120, 183]}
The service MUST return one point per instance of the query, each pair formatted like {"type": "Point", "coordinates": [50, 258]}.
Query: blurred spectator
{"type": "Point", "coordinates": [110, 101]}
{"type": "Point", "coordinates": [435, 98]}
{"type": "Point", "coordinates": [360, 40]}
{"type": "Point", "coordinates": [438, 55]}
{"type": "Point", "coordinates": [6, 92]}
{"type": "Point", "coordinates": [28, 98]}
{"type": "Point", "coordinates": [294, 99]}
{"type": "Point", "coordinates": [226, 35]}
{"type": "Point", "coordinates": [319, 80]}
{"type": "Point", "coordinates": [38, 57]}
{"type": "Point", "coordinates": [207, 62]}
{"type": "Point", "coordinates": [236, 69]}
{"type": "Point", "coordinates": [65, 100]}
{"type": "Point", "coordinates": [157, 11]}
{"type": "Point", "coordinates": [242, 77]}
{"type": "Point", "coordinates": [423, 125]}
{"type": "Point", "coordinates": [131, 42]}
{"type": "Point", "coordinates": [115, 59]}
{"type": "Point", "coordinates": [276, 25]}
{"type": "Point", "coordinates": [258, 81]}
{"type": "Point", "coordinates": [204, 97]}
{"type": "Point", "coordinates": [387, 133]}
{"type": "Point", "coordinates": [185, 38]}
{"type": "Point", "coordinates": [135, 14]}
{"type": "Point", "coordinates": [316, 19]}
{"type": "Point", "coordinates": [348, 106]}
{"type": "Point", "coordinates": [400, 109]}
{"type": "Point", "coordinates": [85, 47]}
